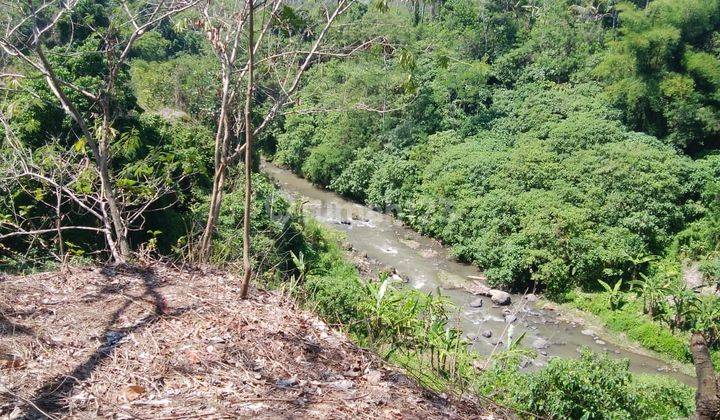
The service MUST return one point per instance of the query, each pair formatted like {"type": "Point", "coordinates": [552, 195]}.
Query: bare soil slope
{"type": "Point", "coordinates": [167, 343]}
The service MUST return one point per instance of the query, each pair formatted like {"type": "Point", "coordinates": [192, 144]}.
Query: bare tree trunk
{"type": "Point", "coordinates": [248, 155]}
{"type": "Point", "coordinates": [707, 400]}
{"type": "Point", "coordinates": [213, 213]}
{"type": "Point", "coordinates": [221, 139]}
{"type": "Point", "coordinates": [106, 184]}
{"type": "Point", "coordinates": [115, 216]}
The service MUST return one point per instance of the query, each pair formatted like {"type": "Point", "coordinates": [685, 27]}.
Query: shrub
{"type": "Point", "coordinates": [274, 228]}
{"type": "Point", "coordinates": [597, 387]}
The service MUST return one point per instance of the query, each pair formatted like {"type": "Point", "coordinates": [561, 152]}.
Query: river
{"type": "Point", "coordinates": [427, 266]}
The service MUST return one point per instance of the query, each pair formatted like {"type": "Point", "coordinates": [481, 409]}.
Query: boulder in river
{"type": "Point", "coordinates": [531, 297]}
{"type": "Point", "coordinates": [477, 303]}
{"type": "Point", "coordinates": [487, 333]}
{"type": "Point", "coordinates": [477, 288]}
{"type": "Point", "coordinates": [588, 332]}
{"type": "Point", "coordinates": [397, 278]}
{"type": "Point", "coordinates": [499, 297]}
{"type": "Point", "coordinates": [410, 243]}
{"type": "Point", "coordinates": [510, 318]}
{"type": "Point", "coordinates": [428, 253]}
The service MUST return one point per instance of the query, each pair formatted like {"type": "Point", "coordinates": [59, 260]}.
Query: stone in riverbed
{"type": "Point", "coordinates": [477, 288]}
{"type": "Point", "coordinates": [531, 297]}
{"type": "Point", "coordinates": [510, 318]}
{"type": "Point", "coordinates": [540, 343]}
{"type": "Point", "coordinates": [487, 333]}
{"type": "Point", "coordinates": [410, 243]}
{"type": "Point", "coordinates": [477, 303]}
{"type": "Point", "coordinates": [588, 332]}
{"type": "Point", "coordinates": [600, 342]}
{"type": "Point", "coordinates": [499, 297]}
{"type": "Point", "coordinates": [399, 279]}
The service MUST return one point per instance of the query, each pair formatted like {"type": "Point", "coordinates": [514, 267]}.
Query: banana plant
{"type": "Point", "coordinates": [616, 296]}
{"type": "Point", "coordinates": [653, 291]}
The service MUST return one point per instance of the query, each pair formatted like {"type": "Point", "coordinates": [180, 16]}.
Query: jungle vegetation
{"type": "Point", "coordinates": [564, 146]}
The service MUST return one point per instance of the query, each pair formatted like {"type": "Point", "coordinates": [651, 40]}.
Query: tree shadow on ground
{"type": "Point", "coordinates": [10, 328]}
{"type": "Point", "coordinates": [50, 398]}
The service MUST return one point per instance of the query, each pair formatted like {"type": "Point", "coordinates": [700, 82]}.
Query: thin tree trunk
{"type": "Point", "coordinates": [221, 138]}
{"type": "Point", "coordinates": [106, 185]}
{"type": "Point", "coordinates": [115, 216]}
{"type": "Point", "coordinates": [213, 213]}
{"type": "Point", "coordinates": [707, 400]}
{"type": "Point", "coordinates": [248, 156]}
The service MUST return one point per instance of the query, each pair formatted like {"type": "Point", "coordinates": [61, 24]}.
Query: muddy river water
{"type": "Point", "coordinates": [427, 266]}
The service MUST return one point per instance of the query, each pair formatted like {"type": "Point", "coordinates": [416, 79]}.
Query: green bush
{"type": "Point", "coordinates": [598, 387]}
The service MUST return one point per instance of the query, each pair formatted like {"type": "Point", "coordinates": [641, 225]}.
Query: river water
{"type": "Point", "coordinates": [427, 266]}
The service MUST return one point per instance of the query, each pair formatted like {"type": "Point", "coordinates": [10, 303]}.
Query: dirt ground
{"type": "Point", "coordinates": [166, 343]}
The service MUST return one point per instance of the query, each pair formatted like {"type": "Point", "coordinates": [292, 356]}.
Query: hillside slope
{"type": "Point", "coordinates": [168, 343]}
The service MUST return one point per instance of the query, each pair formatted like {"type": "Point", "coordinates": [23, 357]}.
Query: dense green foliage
{"type": "Point", "coordinates": [500, 130]}
{"type": "Point", "coordinates": [657, 331]}
{"type": "Point", "coordinates": [663, 70]}
{"type": "Point", "coordinates": [146, 153]}
{"type": "Point", "coordinates": [556, 144]}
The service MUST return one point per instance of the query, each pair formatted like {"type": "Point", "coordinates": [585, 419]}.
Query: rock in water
{"type": "Point", "coordinates": [540, 343]}
{"type": "Point", "coordinates": [499, 297]}
{"type": "Point", "coordinates": [510, 318]}
{"type": "Point", "coordinates": [477, 288]}
{"type": "Point", "coordinates": [477, 303]}
{"type": "Point", "coordinates": [487, 333]}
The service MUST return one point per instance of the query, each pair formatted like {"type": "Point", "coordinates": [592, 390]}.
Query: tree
{"type": "Point", "coordinates": [33, 30]}
{"type": "Point", "coordinates": [224, 26]}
